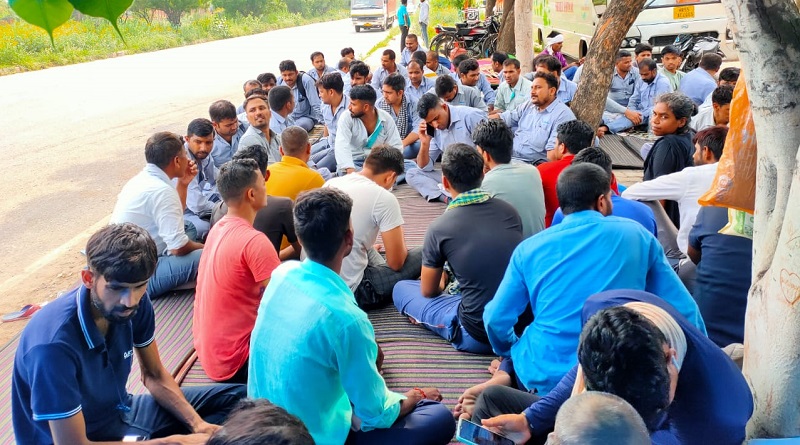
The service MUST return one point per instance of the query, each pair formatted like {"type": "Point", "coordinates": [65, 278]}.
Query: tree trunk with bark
{"type": "Point", "coordinates": [598, 69]}
{"type": "Point", "coordinates": [490, 7]}
{"type": "Point", "coordinates": [523, 33]}
{"type": "Point", "coordinates": [505, 37]}
{"type": "Point", "coordinates": [769, 39]}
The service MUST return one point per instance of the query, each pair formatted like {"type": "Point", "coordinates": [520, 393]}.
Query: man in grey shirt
{"type": "Point", "coordinates": [451, 92]}
{"type": "Point", "coordinates": [258, 114]}
{"type": "Point", "coordinates": [306, 111]}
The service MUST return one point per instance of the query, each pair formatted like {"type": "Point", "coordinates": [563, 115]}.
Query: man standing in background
{"type": "Point", "coordinates": [403, 21]}
{"type": "Point", "coordinates": [424, 13]}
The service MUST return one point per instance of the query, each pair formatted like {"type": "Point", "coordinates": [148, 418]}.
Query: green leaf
{"type": "Point", "coordinates": [107, 9]}
{"type": "Point", "coordinates": [46, 14]}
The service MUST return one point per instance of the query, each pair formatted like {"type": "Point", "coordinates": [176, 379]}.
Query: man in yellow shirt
{"type": "Point", "coordinates": [292, 174]}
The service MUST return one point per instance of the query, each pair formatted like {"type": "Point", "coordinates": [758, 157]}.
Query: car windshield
{"type": "Point", "coordinates": [366, 4]}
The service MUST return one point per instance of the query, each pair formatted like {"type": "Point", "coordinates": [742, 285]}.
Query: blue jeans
{"type": "Point", "coordinates": [569, 73]}
{"type": "Point", "coordinates": [306, 122]}
{"type": "Point", "coordinates": [322, 155]}
{"type": "Point", "coordinates": [173, 271]}
{"type": "Point", "coordinates": [622, 123]}
{"type": "Point", "coordinates": [213, 403]}
{"type": "Point", "coordinates": [430, 423]}
{"type": "Point", "coordinates": [411, 151]}
{"type": "Point", "coordinates": [438, 314]}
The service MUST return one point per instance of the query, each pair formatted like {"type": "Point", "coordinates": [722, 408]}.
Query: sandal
{"type": "Point", "coordinates": [23, 314]}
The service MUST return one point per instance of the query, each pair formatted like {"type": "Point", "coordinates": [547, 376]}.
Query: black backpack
{"type": "Point", "coordinates": [300, 87]}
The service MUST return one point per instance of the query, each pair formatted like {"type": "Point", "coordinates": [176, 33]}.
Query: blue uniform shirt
{"type": "Point", "coordinates": [624, 208]}
{"type": "Point", "coordinates": [223, 151]}
{"type": "Point", "coordinates": [331, 118]}
{"type": "Point", "coordinates": [309, 105]}
{"type": "Point", "coordinates": [415, 93]}
{"type": "Point", "coordinates": [64, 366]}
{"type": "Point", "coordinates": [534, 130]}
{"type": "Point", "coordinates": [485, 88]}
{"type": "Point", "coordinates": [463, 121]}
{"type": "Point", "coordinates": [698, 84]}
{"type": "Point", "coordinates": [645, 94]}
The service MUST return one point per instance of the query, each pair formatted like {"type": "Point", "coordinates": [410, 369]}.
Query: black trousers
{"type": "Point", "coordinates": [497, 400]}
{"type": "Point", "coordinates": [403, 35]}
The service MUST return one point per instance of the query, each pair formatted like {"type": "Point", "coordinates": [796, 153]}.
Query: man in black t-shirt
{"type": "Point", "coordinates": [475, 236]}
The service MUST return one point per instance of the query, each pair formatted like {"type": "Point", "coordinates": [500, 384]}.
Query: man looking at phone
{"type": "Point", "coordinates": [442, 125]}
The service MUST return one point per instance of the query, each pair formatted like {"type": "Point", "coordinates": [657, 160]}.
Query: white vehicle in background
{"type": "Point", "coordinates": [658, 24]}
{"type": "Point", "coordinates": [370, 14]}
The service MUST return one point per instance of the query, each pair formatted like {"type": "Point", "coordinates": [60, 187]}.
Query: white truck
{"type": "Point", "coordinates": [370, 14]}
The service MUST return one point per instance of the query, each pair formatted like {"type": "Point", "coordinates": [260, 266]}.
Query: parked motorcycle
{"type": "Point", "coordinates": [479, 38]}
{"type": "Point", "coordinates": [693, 47]}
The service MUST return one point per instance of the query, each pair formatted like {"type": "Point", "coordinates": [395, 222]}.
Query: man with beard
{"type": "Point", "coordinates": [259, 133]}
{"type": "Point", "coordinates": [202, 194]}
{"type": "Point", "coordinates": [306, 111]}
{"type": "Point", "coordinates": [75, 356]}
{"type": "Point", "coordinates": [640, 104]}
{"type": "Point", "coordinates": [227, 131]}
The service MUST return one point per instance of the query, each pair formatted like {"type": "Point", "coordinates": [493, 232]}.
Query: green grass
{"type": "Point", "coordinates": [440, 14]}
{"type": "Point", "coordinates": [393, 31]}
{"type": "Point", "coordinates": [24, 47]}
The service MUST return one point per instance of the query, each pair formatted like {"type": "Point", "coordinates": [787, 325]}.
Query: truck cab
{"type": "Point", "coordinates": [372, 14]}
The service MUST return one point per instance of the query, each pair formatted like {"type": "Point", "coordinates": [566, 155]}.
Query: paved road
{"type": "Point", "coordinates": [72, 136]}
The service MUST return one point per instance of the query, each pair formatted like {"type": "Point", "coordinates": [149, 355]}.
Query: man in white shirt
{"type": "Point", "coordinates": [376, 210]}
{"type": "Point", "coordinates": [362, 129]}
{"type": "Point", "coordinates": [152, 202]}
{"type": "Point", "coordinates": [424, 14]}
{"type": "Point", "coordinates": [719, 113]}
{"type": "Point", "coordinates": [514, 90]}
{"type": "Point", "coordinates": [685, 187]}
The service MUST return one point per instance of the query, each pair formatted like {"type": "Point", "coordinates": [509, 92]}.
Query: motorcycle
{"type": "Point", "coordinates": [478, 38]}
{"type": "Point", "coordinates": [693, 47]}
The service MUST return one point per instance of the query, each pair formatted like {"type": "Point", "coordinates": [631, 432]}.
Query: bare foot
{"type": "Point", "coordinates": [412, 320]}
{"type": "Point", "coordinates": [495, 365]}
{"type": "Point", "coordinates": [466, 403]}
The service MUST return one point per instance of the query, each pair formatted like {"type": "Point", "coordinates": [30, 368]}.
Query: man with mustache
{"type": "Point", "coordinates": [202, 194]}
{"type": "Point", "coordinates": [75, 356]}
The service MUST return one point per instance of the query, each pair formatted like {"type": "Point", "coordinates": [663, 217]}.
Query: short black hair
{"type": "Point", "coordinates": [642, 47]}
{"type": "Point", "coordinates": [364, 93]}
{"type": "Point", "coordinates": [266, 78]}
{"type": "Point", "coordinates": [419, 65]}
{"type": "Point", "coordinates": [670, 49]}
{"type": "Point", "coordinates": [321, 219]}
{"type": "Point", "coordinates": [395, 81]}
{"type": "Point", "coordinates": [287, 65]}
{"type": "Point", "coordinates": [426, 103]}
{"type": "Point", "coordinates": [549, 62]}
{"type": "Point", "coordinates": [162, 147]}
{"type": "Point", "coordinates": [419, 56]}
{"type": "Point", "coordinates": [621, 54]}
{"type": "Point", "coordinates": [512, 62]}
{"type": "Point", "coordinates": [345, 51]}
{"type": "Point", "coordinates": [279, 96]}
{"type": "Point", "coordinates": [575, 135]}
{"type": "Point", "coordinates": [552, 81]}
{"type": "Point", "coordinates": [251, 83]}
{"type": "Point", "coordinates": [499, 57]}
{"type": "Point", "coordinates": [579, 186]}
{"type": "Point", "coordinates": [236, 176]}
{"type": "Point", "coordinates": [122, 252]}
{"type": "Point", "coordinates": [596, 156]}
{"type": "Point", "coordinates": [315, 54]}
{"type": "Point", "coordinates": [468, 65]}
{"type": "Point", "coordinates": [649, 63]}
{"type": "Point", "coordinates": [713, 138]}
{"type": "Point", "coordinates": [722, 95]}
{"type": "Point", "coordinates": [444, 85]}
{"type": "Point", "coordinates": [462, 166]}
{"type": "Point", "coordinates": [331, 81]}
{"type": "Point", "coordinates": [343, 63]}
{"type": "Point", "coordinates": [384, 158]}
{"type": "Point", "coordinates": [221, 110]}
{"type": "Point", "coordinates": [390, 53]}
{"type": "Point", "coordinates": [358, 67]}
{"type": "Point", "coordinates": [259, 422]}
{"type": "Point", "coordinates": [681, 106]}
{"type": "Point", "coordinates": [200, 127]}
{"type": "Point", "coordinates": [458, 59]}
{"type": "Point", "coordinates": [255, 97]}
{"type": "Point", "coordinates": [622, 353]}
{"type": "Point", "coordinates": [411, 36]}
{"type": "Point", "coordinates": [256, 153]}
{"type": "Point", "coordinates": [711, 61]}
{"type": "Point", "coordinates": [257, 92]}
{"type": "Point", "coordinates": [729, 74]}
{"type": "Point", "coordinates": [494, 137]}
{"type": "Point", "coordinates": [294, 140]}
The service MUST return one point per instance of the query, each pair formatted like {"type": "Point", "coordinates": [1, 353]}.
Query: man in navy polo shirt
{"type": "Point", "coordinates": [74, 358]}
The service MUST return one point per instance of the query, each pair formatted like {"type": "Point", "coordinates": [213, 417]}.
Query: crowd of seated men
{"type": "Point", "coordinates": [597, 302]}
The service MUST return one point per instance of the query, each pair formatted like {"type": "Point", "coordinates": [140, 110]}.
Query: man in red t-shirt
{"type": "Point", "coordinates": [234, 270]}
{"type": "Point", "coordinates": [572, 137]}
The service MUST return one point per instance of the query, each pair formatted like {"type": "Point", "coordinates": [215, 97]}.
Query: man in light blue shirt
{"type": "Point", "coordinates": [556, 270]}
{"type": "Point", "coordinates": [320, 67]}
{"type": "Point", "coordinates": [228, 130]}
{"type": "Point", "coordinates": [424, 13]}
{"type": "Point", "coordinates": [334, 104]}
{"type": "Point", "coordinates": [701, 81]}
{"type": "Point", "coordinates": [404, 112]}
{"type": "Point", "coordinates": [651, 85]}
{"type": "Point", "coordinates": [201, 194]}
{"type": "Point", "coordinates": [535, 122]}
{"type": "Point", "coordinates": [281, 103]}
{"type": "Point", "coordinates": [418, 84]}
{"type": "Point", "coordinates": [514, 90]}
{"type": "Point", "coordinates": [450, 124]}
{"type": "Point", "coordinates": [468, 73]}
{"type": "Point", "coordinates": [313, 350]}
{"type": "Point", "coordinates": [449, 90]}
{"type": "Point", "coordinates": [258, 133]}
{"type": "Point", "coordinates": [306, 112]}
{"type": "Point", "coordinates": [412, 46]}
{"type": "Point", "coordinates": [388, 66]}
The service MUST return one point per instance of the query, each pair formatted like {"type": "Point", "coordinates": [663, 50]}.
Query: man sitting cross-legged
{"type": "Point", "coordinates": [376, 210]}
{"type": "Point", "coordinates": [74, 359]}
{"type": "Point", "coordinates": [234, 270]}
{"type": "Point", "coordinates": [151, 201]}
{"type": "Point", "coordinates": [460, 238]}
{"type": "Point", "coordinates": [335, 103]}
{"type": "Point", "coordinates": [306, 110]}
{"type": "Point", "coordinates": [449, 124]}
{"type": "Point", "coordinates": [292, 174]}
{"type": "Point", "coordinates": [313, 349]}
{"type": "Point", "coordinates": [555, 271]}
{"type": "Point", "coordinates": [515, 183]}
{"type": "Point", "coordinates": [201, 194]}
{"type": "Point", "coordinates": [404, 112]}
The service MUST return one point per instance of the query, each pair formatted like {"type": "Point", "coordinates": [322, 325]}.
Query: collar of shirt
{"type": "Point", "coordinates": [582, 216]}
{"type": "Point", "coordinates": [455, 116]}
{"type": "Point", "coordinates": [474, 196]}
{"type": "Point", "coordinates": [549, 108]}
{"type": "Point", "coordinates": [323, 273]}
{"type": "Point", "coordinates": [154, 170]}
{"type": "Point", "coordinates": [94, 339]}
{"type": "Point", "coordinates": [616, 74]}
{"type": "Point", "coordinates": [278, 118]}
{"type": "Point", "coordinates": [291, 160]}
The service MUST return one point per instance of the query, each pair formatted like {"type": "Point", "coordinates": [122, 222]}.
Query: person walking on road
{"type": "Point", "coordinates": [404, 22]}
{"type": "Point", "coordinates": [424, 13]}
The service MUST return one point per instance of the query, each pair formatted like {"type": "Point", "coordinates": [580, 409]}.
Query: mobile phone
{"type": "Point", "coordinates": [474, 434]}
{"type": "Point", "coordinates": [431, 130]}
{"type": "Point", "coordinates": [133, 438]}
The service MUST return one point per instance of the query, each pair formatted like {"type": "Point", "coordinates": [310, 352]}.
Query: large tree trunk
{"type": "Point", "coordinates": [505, 37]}
{"type": "Point", "coordinates": [490, 7]}
{"type": "Point", "coordinates": [523, 33]}
{"type": "Point", "coordinates": [769, 40]}
{"type": "Point", "coordinates": [598, 69]}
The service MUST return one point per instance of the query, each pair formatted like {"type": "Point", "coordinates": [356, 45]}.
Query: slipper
{"type": "Point", "coordinates": [23, 314]}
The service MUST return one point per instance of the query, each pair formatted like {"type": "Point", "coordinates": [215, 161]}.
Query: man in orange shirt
{"type": "Point", "coordinates": [292, 174]}
{"type": "Point", "coordinates": [572, 137]}
{"type": "Point", "coordinates": [233, 274]}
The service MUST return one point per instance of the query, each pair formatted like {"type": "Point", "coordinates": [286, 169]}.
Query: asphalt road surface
{"type": "Point", "coordinates": [70, 137]}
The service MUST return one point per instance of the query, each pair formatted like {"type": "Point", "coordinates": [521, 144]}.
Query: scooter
{"type": "Point", "coordinates": [693, 47]}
